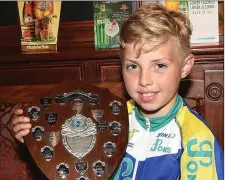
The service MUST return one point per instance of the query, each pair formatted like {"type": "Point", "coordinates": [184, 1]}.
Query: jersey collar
{"type": "Point", "coordinates": [159, 122]}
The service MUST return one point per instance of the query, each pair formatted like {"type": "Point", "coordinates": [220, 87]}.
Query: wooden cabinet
{"type": "Point", "coordinates": [24, 75]}
{"type": "Point", "coordinates": [109, 71]}
{"type": "Point", "coordinates": [36, 74]}
{"type": "Point", "coordinates": [77, 59]}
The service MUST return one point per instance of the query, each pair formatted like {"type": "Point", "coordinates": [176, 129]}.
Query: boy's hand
{"type": "Point", "coordinates": [21, 125]}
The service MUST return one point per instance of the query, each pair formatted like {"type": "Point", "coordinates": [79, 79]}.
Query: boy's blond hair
{"type": "Point", "coordinates": [154, 25]}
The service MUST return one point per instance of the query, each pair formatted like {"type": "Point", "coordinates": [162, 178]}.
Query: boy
{"type": "Point", "coordinates": [167, 139]}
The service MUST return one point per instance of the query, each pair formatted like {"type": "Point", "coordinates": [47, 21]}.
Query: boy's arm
{"type": "Point", "coordinates": [202, 158]}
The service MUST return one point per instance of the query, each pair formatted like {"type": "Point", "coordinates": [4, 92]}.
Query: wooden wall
{"type": "Point", "coordinates": [77, 59]}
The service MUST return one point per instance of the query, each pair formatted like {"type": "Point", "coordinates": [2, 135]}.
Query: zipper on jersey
{"type": "Point", "coordinates": [147, 123]}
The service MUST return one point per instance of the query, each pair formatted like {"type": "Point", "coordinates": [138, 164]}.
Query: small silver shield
{"type": "Point", "coordinates": [97, 114]}
{"type": "Point", "coordinates": [53, 138]}
{"type": "Point", "coordinates": [34, 112]}
{"type": "Point", "coordinates": [81, 167]}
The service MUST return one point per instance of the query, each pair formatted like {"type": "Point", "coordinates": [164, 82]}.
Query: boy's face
{"type": "Point", "coordinates": [153, 78]}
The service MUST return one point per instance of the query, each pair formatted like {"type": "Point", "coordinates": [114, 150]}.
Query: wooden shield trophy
{"type": "Point", "coordinates": [79, 131]}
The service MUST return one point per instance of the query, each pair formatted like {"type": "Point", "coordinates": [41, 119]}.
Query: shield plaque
{"type": "Point", "coordinates": [79, 131]}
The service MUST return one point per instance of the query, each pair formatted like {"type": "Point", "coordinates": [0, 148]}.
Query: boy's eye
{"type": "Point", "coordinates": [132, 66]}
{"type": "Point", "coordinates": [160, 66]}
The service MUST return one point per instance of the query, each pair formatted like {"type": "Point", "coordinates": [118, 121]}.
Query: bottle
{"type": "Point", "coordinates": [28, 16]}
{"type": "Point", "coordinates": [28, 32]}
{"type": "Point", "coordinates": [101, 38]}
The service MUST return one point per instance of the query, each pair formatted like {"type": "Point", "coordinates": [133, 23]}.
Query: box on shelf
{"type": "Point", "coordinates": [39, 21]}
{"type": "Point", "coordinates": [204, 18]}
{"type": "Point", "coordinates": [109, 17]}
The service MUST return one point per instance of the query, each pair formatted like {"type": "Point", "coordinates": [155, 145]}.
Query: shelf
{"type": "Point", "coordinates": [76, 42]}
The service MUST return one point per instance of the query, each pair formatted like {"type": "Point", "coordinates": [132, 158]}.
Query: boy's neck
{"type": "Point", "coordinates": [159, 121]}
{"type": "Point", "coordinates": [163, 111]}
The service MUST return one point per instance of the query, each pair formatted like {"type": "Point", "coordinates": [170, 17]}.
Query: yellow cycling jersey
{"type": "Point", "coordinates": [177, 146]}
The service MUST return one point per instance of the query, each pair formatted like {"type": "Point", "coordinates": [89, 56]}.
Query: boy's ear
{"type": "Point", "coordinates": [187, 65]}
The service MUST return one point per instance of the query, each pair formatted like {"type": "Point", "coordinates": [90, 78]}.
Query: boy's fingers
{"type": "Point", "coordinates": [20, 119]}
{"type": "Point", "coordinates": [18, 111]}
{"type": "Point", "coordinates": [20, 140]}
{"type": "Point", "coordinates": [19, 136]}
{"type": "Point", "coordinates": [21, 127]}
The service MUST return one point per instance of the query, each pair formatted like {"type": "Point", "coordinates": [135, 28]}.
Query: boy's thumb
{"type": "Point", "coordinates": [19, 111]}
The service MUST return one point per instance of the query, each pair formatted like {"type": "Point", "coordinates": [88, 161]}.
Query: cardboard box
{"type": "Point", "coordinates": [109, 17]}
{"type": "Point", "coordinates": [39, 21]}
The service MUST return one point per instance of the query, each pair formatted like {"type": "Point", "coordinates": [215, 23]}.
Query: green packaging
{"type": "Point", "coordinates": [109, 17]}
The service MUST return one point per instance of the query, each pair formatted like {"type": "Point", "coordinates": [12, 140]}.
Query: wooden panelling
{"type": "Point", "coordinates": [68, 32]}
{"type": "Point", "coordinates": [25, 93]}
{"type": "Point", "coordinates": [23, 76]}
{"type": "Point", "coordinates": [76, 32]}
{"type": "Point", "coordinates": [93, 70]}
{"type": "Point", "coordinates": [77, 58]}
{"type": "Point", "coordinates": [72, 33]}
{"type": "Point", "coordinates": [109, 72]}
{"type": "Point", "coordinates": [214, 102]}
{"type": "Point", "coordinates": [39, 75]}
{"type": "Point", "coordinates": [199, 68]}
{"type": "Point", "coordinates": [193, 93]}
{"type": "Point", "coordinates": [195, 88]}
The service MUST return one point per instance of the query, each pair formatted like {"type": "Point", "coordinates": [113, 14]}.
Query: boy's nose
{"type": "Point", "coordinates": [145, 78]}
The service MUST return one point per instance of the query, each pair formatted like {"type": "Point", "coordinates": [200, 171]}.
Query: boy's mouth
{"type": "Point", "coordinates": [147, 97]}
{"type": "Point", "coordinates": [148, 94]}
